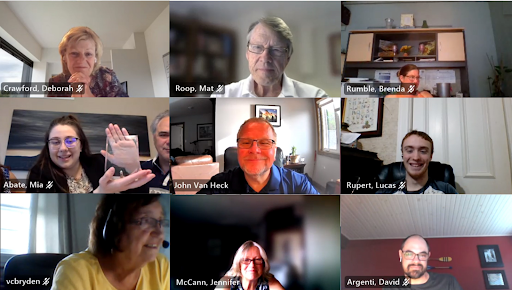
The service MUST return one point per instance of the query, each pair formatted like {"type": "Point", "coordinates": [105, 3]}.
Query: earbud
{"type": "Point", "coordinates": [95, 60]}
{"type": "Point", "coordinates": [400, 259]}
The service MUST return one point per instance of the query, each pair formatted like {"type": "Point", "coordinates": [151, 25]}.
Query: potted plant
{"type": "Point", "coordinates": [498, 78]}
{"type": "Point", "coordinates": [294, 157]}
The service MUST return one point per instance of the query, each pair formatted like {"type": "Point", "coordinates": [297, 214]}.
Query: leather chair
{"type": "Point", "coordinates": [37, 266]}
{"type": "Point", "coordinates": [231, 158]}
{"type": "Point", "coordinates": [436, 170]}
{"type": "Point", "coordinates": [193, 167]}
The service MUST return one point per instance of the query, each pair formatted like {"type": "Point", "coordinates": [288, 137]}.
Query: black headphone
{"type": "Point", "coordinates": [107, 237]}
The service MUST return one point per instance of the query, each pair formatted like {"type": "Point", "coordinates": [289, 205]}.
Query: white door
{"type": "Point", "coordinates": [470, 135]}
{"type": "Point", "coordinates": [177, 136]}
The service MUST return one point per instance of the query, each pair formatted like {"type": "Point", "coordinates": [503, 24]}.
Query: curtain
{"type": "Point", "coordinates": [50, 227]}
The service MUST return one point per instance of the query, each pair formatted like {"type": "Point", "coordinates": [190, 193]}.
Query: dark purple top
{"type": "Point", "coordinates": [104, 83]}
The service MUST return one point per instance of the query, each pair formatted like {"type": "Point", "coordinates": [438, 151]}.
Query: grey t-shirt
{"type": "Point", "coordinates": [435, 281]}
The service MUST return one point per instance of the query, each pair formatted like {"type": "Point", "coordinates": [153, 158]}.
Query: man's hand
{"type": "Point", "coordinates": [125, 151]}
{"type": "Point", "coordinates": [107, 185]}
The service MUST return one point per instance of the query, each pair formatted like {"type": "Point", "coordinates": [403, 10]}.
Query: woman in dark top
{"type": "Point", "coordinates": [81, 50]}
{"type": "Point", "coordinates": [66, 162]}
{"type": "Point", "coordinates": [250, 270]}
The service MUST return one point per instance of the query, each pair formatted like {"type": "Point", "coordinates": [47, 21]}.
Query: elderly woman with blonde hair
{"type": "Point", "coordinates": [81, 50]}
{"type": "Point", "coordinates": [250, 270]}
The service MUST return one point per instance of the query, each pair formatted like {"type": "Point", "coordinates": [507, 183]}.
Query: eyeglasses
{"type": "Point", "coordinates": [246, 143]}
{"type": "Point", "coordinates": [413, 78]}
{"type": "Point", "coordinates": [147, 222]}
{"type": "Point", "coordinates": [410, 256]}
{"type": "Point", "coordinates": [70, 142]}
{"type": "Point", "coordinates": [257, 261]}
{"type": "Point", "coordinates": [274, 51]}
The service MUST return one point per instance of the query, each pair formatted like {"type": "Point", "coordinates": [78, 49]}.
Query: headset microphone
{"type": "Point", "coordinates": [165, 244]}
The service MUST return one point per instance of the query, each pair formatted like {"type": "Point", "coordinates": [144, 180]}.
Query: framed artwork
{"type": "Point", "coordinates": [490, 256]}
{"type": "Point", "coordinates": [205, 131]}
{"type": "Point", "coordinates": [271, 113]}
{"type": "Point", "coordinates": [364, 115]}
{"type": "Point", "coordinates": [495, 279]}
{"type": "Point", "coordinates": [336, 58]}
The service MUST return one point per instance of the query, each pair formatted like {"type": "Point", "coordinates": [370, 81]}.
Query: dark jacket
{"type": "Point", "coordinates": [94, 168]}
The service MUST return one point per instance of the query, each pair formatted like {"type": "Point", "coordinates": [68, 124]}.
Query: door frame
{"type": "Point", "coordinates": [182, 133]}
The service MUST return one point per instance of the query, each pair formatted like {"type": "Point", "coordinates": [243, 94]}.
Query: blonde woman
{"type": "Point", "coordinates": [250, 270]}
{"type": "Point", "coordinates": [80, 51]}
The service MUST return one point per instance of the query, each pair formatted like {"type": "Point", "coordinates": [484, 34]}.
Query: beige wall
{"type": "Point", "coordinates": [385, 146]}
{"type": "Point", "coordinates": [120, 106]}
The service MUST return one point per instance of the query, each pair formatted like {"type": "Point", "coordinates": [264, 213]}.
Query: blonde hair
{"type": "Point", "coordinates": [256, 120]}
{"type": "Point", "coordinates": [73, 36]}
{"type": "Point", "coordinates": [236, 271]}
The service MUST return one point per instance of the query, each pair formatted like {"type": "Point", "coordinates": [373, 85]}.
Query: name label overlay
{"type": "Point", "coordinates": [196, 88]}
{"type": "Point", "coordinates": [197, 184]}
{"type": "Point", "coordinates": [55, 89]}
{"type": "Point", "coordinates": [377, 89]}
{"type": "Point", "coordinates": [377, 282]}
{"type": "Point", "coordinates": [28, 186]}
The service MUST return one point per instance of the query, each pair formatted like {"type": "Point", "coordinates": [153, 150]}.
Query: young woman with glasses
{"type": "Point", "coordinates": [66, 165]}
{"type": "Point", "coordinates": [409, 76]}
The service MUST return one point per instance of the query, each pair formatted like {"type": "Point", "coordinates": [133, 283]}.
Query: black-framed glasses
{"type": "Point", "coordinates": [246, 143]}
{"type": "Point", "coordinates": [411, 255]}
{"type": "Point", "coordinates": [274, 51]}
{"type": "Point", "coordinates": [257, 261]}
{"type": "Point", "coordinates": [147, 222]}
{"type": "Point", "coordinates": [70, 142]}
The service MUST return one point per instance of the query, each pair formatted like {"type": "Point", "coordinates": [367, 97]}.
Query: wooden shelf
{"type": "Point", "coordinates": [399, 64]}
{"type": "Point", "coordinates": [399, 30]}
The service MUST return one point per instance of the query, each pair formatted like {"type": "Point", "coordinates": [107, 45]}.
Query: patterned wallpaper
{"type": "Point", "coordinates": [385, 146]}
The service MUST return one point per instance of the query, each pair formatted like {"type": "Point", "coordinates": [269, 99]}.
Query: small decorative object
{"type": "Point", "coordinates": [495, 279]}
{"type": "Point", "coordinates": [407, 21]}
{"type": "Point", "coordinates": [424, 24]}
{"type": "Point", "coordinates": [270, 113]}
{"type": "Point", "coordinates": [406, 49]}
{"type": "Point", "coordinates": [364, 115]}
{"type": "Point", "coordinates": [421, 48]}
{"type": "Point", "coordinates": [395, 49]}
{"type": "Point", "coordinates": [294, 157]}
{"type": "Point", "coordinates": [490, 256]}
{"type": "Point", "coordinates": [389, 23]}
{"type": "Point", "coordinates": [205, 131]}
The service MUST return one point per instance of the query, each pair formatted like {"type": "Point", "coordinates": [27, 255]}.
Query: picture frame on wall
{"type": "Point", "coordinates": [364, 115]}
{"type": "Point", "coordinates": [495, 279]}
{"type": "Point", "coordinates": [205, 131]}
{"type": "Point", "coordinates": [271, 113]}
{"type": "Point", "coordinates": [490, 256]}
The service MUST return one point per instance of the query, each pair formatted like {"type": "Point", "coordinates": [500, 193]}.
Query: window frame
{"type": "Point", "coordinates": [28, 64]}
{"type": "Point", "coordinates": [4, 257]}
{"type": "Point", "coordinates": [333, 154]}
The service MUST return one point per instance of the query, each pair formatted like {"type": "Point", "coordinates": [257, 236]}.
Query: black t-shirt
{"type": "Point", "coordinates": [435, 281]}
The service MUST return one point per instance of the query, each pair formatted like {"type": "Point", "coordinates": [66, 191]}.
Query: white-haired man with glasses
{"type": "Point", "coordinates": [256, 147]}
{"type": "Point", "coordinates": [414, 256]}
{"type": "Point", "coordinates": [269, 49]}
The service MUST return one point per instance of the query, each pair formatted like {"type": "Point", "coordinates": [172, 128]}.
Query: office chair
{"type": "Point", "coordinates": [436, 170]}
{"type": "Point", "coordinates": [35, 266]}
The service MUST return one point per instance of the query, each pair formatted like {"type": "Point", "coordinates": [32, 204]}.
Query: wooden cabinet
{"type": "Point", "coordinates": [451, 46]}
{"type": "Point", "coordinates": [360, 47]}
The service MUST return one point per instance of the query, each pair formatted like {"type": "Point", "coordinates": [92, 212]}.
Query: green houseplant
{"type": "Point", "coordinates": [496, 84]}
{"type": "Point", "coordinates": [294, 157]}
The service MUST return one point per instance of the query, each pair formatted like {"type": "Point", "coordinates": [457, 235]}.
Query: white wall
{"type": "Point", "coordinates": [12, 30]}
{"type": "Point", "coordinates": [132, 65]}
{"type": "Point", "coordinates": [297, 126]}
{"type": "Point", "coordinates": [191, 130]}
{"type": "Point", "coordinates": [158, 45]}
{"type": "Point", "coordinates": [474, 17]}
